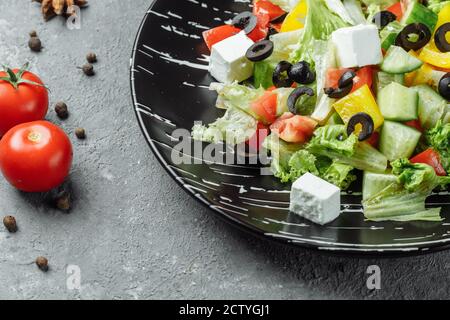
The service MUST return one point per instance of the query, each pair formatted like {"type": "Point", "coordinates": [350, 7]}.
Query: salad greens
{"type": "Point", "coordinates": [439, 139]}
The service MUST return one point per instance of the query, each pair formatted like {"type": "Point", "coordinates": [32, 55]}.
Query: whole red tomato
{"type": "Point", "coordinates": [23, 98]}
{"type": "Point", "coordinates": [35, 156]}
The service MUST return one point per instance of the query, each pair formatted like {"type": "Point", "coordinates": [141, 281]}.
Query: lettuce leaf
{"type": "Point", "coordinates": [439, 139]}
{"type": "Point", "coordinates": [437, 5]}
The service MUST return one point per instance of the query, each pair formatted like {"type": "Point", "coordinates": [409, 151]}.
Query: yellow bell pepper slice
{"type": "Point", "coordinates": [425, 75]}
{"type": "Point", "coordinates": [362, 100]}
{"type": "Point", "coordinates": [430, 54]}
{"type": "Point", "coordinates": [296, 18]}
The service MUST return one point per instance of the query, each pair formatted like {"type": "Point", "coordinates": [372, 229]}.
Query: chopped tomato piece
{"type": "Point", "coordinates": [333, 76]}
{"type": "Point", "coordinates": [374, 139]}
{"type": "Point", "coordinates": [267, 7]}
{"type": "Point", "coordinates": [363, 76]}
{"type": "Point", "coordinates": [294, 128]}
{"type": "Point", "coordinates": [218, 34]}
{"type": "Point", "coordinates": [265, 108]}
{"type": "Point", "coordinates": [256, 141]}
{"type": "Point", "coordinates": [277, 26]}
{"type": "Point", "coordinates": [414, 124]}
{"type": "Point", "coordinates": [396, 9]}
{"type": "Point", "coordinates": [261, 29]}
{"type": "Point", "coordinates": [432, 158]}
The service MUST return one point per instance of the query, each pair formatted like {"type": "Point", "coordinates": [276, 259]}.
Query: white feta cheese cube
{"type": "Point", "coordinates": [357, 46]}
{"type": "Point", "coordinates": [228, 62]}
{"type": "Point", "coordinates": [315, 199]}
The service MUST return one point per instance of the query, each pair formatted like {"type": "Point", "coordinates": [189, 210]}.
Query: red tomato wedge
{"type": "Point", "coordinates": [374, 139]}
{"type": "Point", "coordinates": [414, 124]}
{"type": "Point", "coordinates": [396, 9]}
{"type": "Point", "coordinates": [432, 158]}
{"type": "Point", "coordinates": [261, 29]}
{"type": "Point", "coordinates": [333, 76]}
{"type": "Point", "coordinates": [363, 76]}
{"type": "Point", "coordinates": [294, 128]}
{"type": "Point", "coordinates": [256, 141]}
{"type": "Point", "coordinates": [218, 34]}
{"type": "Point", "coordinates": [267, 7]}
{"type": "Point", "coordinates": [265, 108]}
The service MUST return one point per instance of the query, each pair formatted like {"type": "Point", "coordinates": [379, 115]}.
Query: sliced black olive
{"type": "Point", "coordinates": [440, 37]}
{"type": "Point", "coordinates": [338, 93]}
{"type": "Point", "coordinates": [421, 31]}
{"type": "Point", "coordinates": [246, 21]}
{"type": "Point", "coordinates": [366, 121]}
{"type": "Point", "coordinates": [383, 18]}
{"type": "Point", "coordinates": [260, 50]}
{"type": "Point", "coordinates": [301, 73]}
{"type": "Point", "coordinates": [280, 76]}
{"type": "Point", "coordinates": [279, 19]}
{"type": "Point", "coordinates": [444, 86]}
{"type": "Point", "coordinates": [295, 95]}
{"type": "Point", "coordinates": [347, 79]}
{"type": "Point", "coordinates": [271, 32]}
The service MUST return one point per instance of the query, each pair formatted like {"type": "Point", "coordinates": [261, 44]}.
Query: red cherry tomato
{"type": "Point", "coordinates": [267, 7]}
{"type": "Point", "coordinates": [28, 102]}
{"type": "Point", "coordinates": [35, 156]}
{"type": "Point", "coordinates": [256, 141]}
{"type": "Point", "coordinates": [432, 158]}
{"type": "Point", "coordinates": [218, 34]}
{"type": "Point", "coordinates": [265, 108]}
{"type": "Point", "coordinates": [294, 128]}
{"type": "Point", "coordinates": [396, 9]}
{"type": "Point", "coordinates": [415, 124]}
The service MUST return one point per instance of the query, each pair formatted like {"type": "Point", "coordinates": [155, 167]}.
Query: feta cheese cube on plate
{"type": "Point", "coordinates": [357, 46]}
{"type": "Point", "coordinates": [228, 62]}
{"type": "Point", "coordinates": [315, 199]}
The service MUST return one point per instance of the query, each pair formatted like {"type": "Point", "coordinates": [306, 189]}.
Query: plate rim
{"type": "Point", "coordinates": [361, 251]}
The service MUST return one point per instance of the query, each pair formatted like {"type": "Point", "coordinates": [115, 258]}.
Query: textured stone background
{"type": "Point", "coordinates": [133, 232]}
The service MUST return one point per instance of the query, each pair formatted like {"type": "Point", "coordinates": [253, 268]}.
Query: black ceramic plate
{"type": "Point", "coordinates": [170, 91]}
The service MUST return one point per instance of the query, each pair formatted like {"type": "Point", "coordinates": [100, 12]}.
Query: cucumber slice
{"type": "Point", "coordinates": [432, 107]}
{"type": "Point", "coordinates": [398, 103]}
{"type": "Point", "coordinates": [416, 12]}
{"type": "Point", "coordinates": [389, 34]}
{"type": "Point", "coordinates": [398, 141]}
{"type": "Point", "coordinates": [383, 79]}
{"type": "Point", "coordinates": [373, 183]}
{"type": "Point", "coordinates": [397, 60]}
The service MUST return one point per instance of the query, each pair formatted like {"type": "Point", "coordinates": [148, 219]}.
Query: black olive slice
{"type": "Point", "coordinates": [444, 86]}
{"type": "Point", "coordinates": [366, 121]}
{"type": "Point", "coordinates": [338, 93]}
{"type": "Point", "coordinates": [279, 19]}
{"type": "Point", "coordinates": [260, 50]}
{"type": "Point", "coordinates": [246, 21]}
{"type": "Point", "coordinates": [280, 76]}
{"type": "Point", "coordinates": [420, 30]}
{"type": "Point", "coordinates": [271, 32]}
{"type": "Point", "coordinates": [440, 37]}
{"type": "Point", "coordinates": [383, 18]}
{"type": "Point", "coordinates": [347, 79]}
{"type": "Point", "coordinates": [301, 73]}
{"type": "Point", "coordinates": [295, 95]}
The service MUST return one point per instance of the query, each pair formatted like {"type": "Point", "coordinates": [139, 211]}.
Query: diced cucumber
{"type": "Point", "coordinates": [398, 103]}
{"type": "Point", "coordinates": [416, 12]}
{"type": "Point", "coordinates": [432, 107]}
{"type": "Point", "coordinates": [389, 34]}
{"type": "Point", "coordinates": [398, 141]}
{"type": "Point", "coordinates": [383, 79]}
{"type": "Point", "coordinates": [397, 60]}
{"type": "Point", "coordinates": [373, 183]}
{"type": "Point", "coordinates": [323, 110]}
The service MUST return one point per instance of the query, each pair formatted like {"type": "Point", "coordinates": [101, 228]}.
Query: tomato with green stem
{"type": "Point", "coordinates": [23, 98]}
{"type": "Point", "coordinates": [35, 156]}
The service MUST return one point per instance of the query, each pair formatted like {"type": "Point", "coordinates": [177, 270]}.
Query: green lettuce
{"type": "Point", "coordinates": [439, 139]}
{"type": "Point", "coordinates": [236, 96]}
{"type": "Point", "coordinates": [320, 24]}
{"type": "Point", "coordinates": [332, 141]}
{"type": "Point", "coordinates": [405, 199]}
{"type": "Point", "coordinates": [437, 5]}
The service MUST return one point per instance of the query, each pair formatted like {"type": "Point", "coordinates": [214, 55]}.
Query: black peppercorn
{"type": "Point", "coordinates": [88, 69]}
{"type": "Point", "coordinates": [80, 133]}
{"type": "Point", "coordinates": [35, 44]}
{"type": "Point", "coordinates": [61, 110]}
{"type": "Point", "coordinates": [42, 263]}
{"type": "Point", "coordinates": [91, 57]}
{"type": "Point", "coordinates": [10, 224]}
{"type": "Point", "coordinates": [63, 201]}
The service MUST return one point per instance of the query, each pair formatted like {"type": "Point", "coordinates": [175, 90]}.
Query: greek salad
{"type": "Point", "coordinates": [329, 87]}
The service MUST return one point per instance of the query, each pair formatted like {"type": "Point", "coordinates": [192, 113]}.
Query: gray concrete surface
{"type": "Point", "coordinates": [133, 232]}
